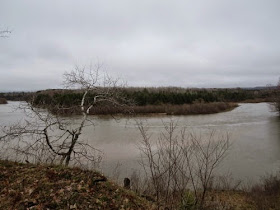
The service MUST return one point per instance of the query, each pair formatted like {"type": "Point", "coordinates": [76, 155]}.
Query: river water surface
{"type": "Point", "coordinates": [254, 132]}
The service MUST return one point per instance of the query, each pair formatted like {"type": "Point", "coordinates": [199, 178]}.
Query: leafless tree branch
{"type": "Point", "coordinates": [177, 161]}
{"type": "Point", "coordinates": [46, 132]}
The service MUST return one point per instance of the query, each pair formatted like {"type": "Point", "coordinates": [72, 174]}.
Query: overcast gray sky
{"type": "Point", "coordinates": [188, 43]}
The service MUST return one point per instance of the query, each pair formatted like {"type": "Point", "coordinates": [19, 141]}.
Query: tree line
{"type": "Point", "coordinates": [161, 96]}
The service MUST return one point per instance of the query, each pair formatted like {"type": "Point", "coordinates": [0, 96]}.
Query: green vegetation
{"type": "Point", "coordinates": [178, 96]}
{"type": "Point", "coordinates": [159, 96]}
{"type": "Point", "coordinates": [24, 186]}
{"type": "Point", "coordinates": [178, 101]}
{"type": "Point", "coordinates": [169, 100]}
{"type": "Point", "coordinates": [16, 96]}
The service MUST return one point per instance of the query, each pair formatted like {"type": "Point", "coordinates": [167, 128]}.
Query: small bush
{"type": "Point", "coordinates": [269, 192]}
{"type": "Point", "coordinates": [3, 101]}
{"type": "Point", "coordinates": [188, 201]}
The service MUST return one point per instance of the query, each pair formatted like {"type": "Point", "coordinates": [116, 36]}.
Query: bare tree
{"type": "Point", "coordinates": [203, 156]}
{"type": "Point", "coordinates": [163, 161]}
{"type": "Point", "coordinates": [55, 137]}
{"type": "Point", "coordinates": [277, 98]}
{"type": "Point", "coordinates": [177, 162]}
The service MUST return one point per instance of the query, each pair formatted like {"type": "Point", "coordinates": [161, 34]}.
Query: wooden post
{"type": "Point", "coordinates": [126, 183]}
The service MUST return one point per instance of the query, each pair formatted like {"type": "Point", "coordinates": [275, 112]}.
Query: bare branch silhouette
{"type": "Point", "coordinates": [46, 133]}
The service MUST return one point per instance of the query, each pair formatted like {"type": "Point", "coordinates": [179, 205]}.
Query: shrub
{"type": "Point", "coordinates": [188, 201]}
{"type": "Point", "coordinates": [3, 101]}
{"type": "Point", "coordinates": [268, 190]}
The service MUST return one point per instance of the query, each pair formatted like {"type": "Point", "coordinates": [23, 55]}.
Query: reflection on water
{"type": "Point", "coordinates": [254, 132]}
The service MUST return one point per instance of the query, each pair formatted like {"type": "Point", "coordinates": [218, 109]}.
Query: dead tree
{"type": "Point", "coordinates": [164, 163]}
{"type": "Point", "coordinates": [277, 98]}
{"type": "Point", "coordinates": [203, 155]}
{"type": "Point", "coordinates": [178, 161]}
{"type": "Point", "coordinates": [55, 137]}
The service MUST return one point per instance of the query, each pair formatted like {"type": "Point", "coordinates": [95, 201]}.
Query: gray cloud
{"type": "Point", "coordinates": [149, 43]}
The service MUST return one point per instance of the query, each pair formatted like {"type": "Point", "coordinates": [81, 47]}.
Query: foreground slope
{"type": "Point", "coordinates": [25, 186]}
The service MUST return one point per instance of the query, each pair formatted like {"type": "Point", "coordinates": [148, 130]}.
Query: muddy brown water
{"type": "Point", "coordinates": [254, 132]}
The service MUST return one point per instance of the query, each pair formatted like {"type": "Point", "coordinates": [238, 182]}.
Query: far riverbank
{"type": "Point", "coordinates": [167, 109]}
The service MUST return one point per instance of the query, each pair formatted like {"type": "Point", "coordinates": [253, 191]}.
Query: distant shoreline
{"type": "Point", "coordinates": [148, 110]}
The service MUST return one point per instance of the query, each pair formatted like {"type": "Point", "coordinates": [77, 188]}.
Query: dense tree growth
{"type": "Point", "coordinates": [15, 96]}
{"type": "Point", "coordinates": [159, 96]}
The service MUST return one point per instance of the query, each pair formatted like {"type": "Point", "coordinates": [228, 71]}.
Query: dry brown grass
{"type": "Point", "coordinates": [185, 109]}
{"type": "Point", "coordinates": [28, 186]}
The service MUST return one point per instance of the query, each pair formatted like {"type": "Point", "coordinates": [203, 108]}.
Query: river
{"type": "Point", "coordinates": [254, 132]}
